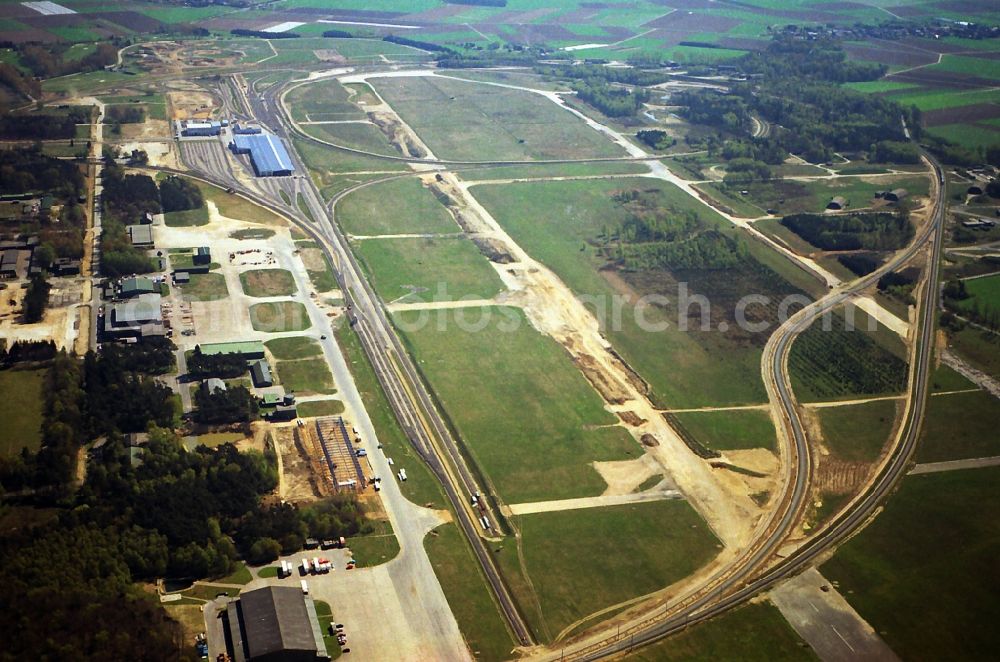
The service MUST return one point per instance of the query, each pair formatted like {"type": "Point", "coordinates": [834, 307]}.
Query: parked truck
{"type": "Point", "coordinates": [305, 566]}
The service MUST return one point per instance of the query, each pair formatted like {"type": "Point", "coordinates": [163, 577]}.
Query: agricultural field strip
{"type": "Point", "coordinates": [812, 405]}
{"type": "Point", "coordinates": [954, 465]}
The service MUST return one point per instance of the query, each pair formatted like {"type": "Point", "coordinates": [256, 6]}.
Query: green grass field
{"type": "Point", "coordinates": [813, 196]}
{"type": "Point", "coordinates": [21, 410]}
{"type": "Point", "coordinates": [754, 633]}
{"type": "Point", "coordinates": [400, 206]}
{"type": "Point", "coordinates": [374, 549]}
{"type": "Point", "coordinates": [305, 376]}
{"type": "Point", "coordinates": [526, 414]}
{"type": "Point", "coordinates": [553, 221]}
{"type": "Point", "coordinates": [923, 574]}
{"type": "Point", "coordinates": [428, 269]}
{"type": "Point", "coordinates": [268, 282]}
{"type": "Point", "coordinates": [581, 561]}
{"type": "Point", "coordinates": [468, 594]}
{"type": "Point", "coordinates": [857, 433]}
{"type": "Point", "coordinates": [233, 206]}
{"type": "Point", "coordinates": [323, 100]}
{"type": "Point", "coordinates": [188, 218]}
{"type": "Point", "coordinates": [205, 287]}
{"type": "Point", "coordinates": [731, 430]}
{"type": "Point", "coordinates": [959, 426]}
{"type": "Point", "coordinates": [420, 487]}
{"type": "Point", "coordinates": [278, 316]}
{"type": "Point", "coordinates": [294, 347]}
{"type": "Point", "coordinates": [497, 123]}
{"type": "Point", "coordinates": [365, 137]}
{"type": "Point", "coordinates": [543, 170]}
{"type": "Point", "coordinates": [876, 86]}
{"type": "Point", "coordinates": [326, 163]}
{"type": "Point", "coordinates": [939, 99]}
{"type": "Point", "coordinates": [984, 291]}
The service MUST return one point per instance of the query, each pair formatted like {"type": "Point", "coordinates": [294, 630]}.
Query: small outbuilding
{"type": "Point", "coordinates": [202, 255]}
{"type": "Point", "coordinates": [261, 374]}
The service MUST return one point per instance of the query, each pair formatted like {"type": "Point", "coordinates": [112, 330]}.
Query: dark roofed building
{"type": "Point", "coordinates": [275, 624]}
{"type": "Point", "coordinates": [261, 374]}
{"type": "Point", "coordinates": [896, 194]}
{"type": "Point", "coordinates": [837, 202]}
{"type": "Point", "coordinates": [202, 255]}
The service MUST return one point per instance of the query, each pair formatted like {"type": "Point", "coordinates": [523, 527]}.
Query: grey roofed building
{"type": "Point", "coordinates": [141, 235]}
{"type": "Point", "coordinates": [267, 154]}
{"type": "Point", "coordinates": [896, 194]}
{"type": "Point", "coordinates": [837, 202]}
{"type": "Point", "coordinates": [213, 384]}
{"type": "Point", "coordinates": [261, 373]}
{"type": "Point", "coordinates": [278, 624]}
{"type": "Point", "coordinates": [138, 317]}
{"type": "Point", "coordinates": [137, 285]}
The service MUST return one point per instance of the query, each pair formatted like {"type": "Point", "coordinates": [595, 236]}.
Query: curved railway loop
{"type": "Point", "coordinates": [766, 559]}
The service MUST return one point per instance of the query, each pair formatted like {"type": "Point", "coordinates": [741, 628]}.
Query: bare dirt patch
{"type": "Point", "coordinates": [398, 134]}
{"type": "Point", "coordinates": [296, 483]}
{"type": "Point", "coordinates": [190, 104]}
{"type": "Point", "coordinates": [312, 258]}
{"type": "Point", "coordinates": [624, 476]}
{"type": "Point", "coordinates": [329, 55]}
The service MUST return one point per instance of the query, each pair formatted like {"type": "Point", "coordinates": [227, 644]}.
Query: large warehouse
{"type": "Point", "coordinates": [267, 154]}
{"type": "Point", "coordinates": [273, 624]}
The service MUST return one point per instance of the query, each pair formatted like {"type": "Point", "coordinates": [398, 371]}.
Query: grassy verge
{"type": "Point", "coordinates": [468, 595]}
{"type": "Point", "coordinates": [923, 573]}
{"type": "Point", "coordinates": [325, 617]}
{"type": "Point", "coordinates": [320, 408]}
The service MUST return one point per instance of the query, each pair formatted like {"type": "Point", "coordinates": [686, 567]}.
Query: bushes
{"type": "Point", "coordinates": [36, 298]}
{"type": "Point", "coordinates": [224, 366]}
{"type": "Point", "coordinates": [891, 151]}
{"type": "Point", "coordinates": [656, 138]}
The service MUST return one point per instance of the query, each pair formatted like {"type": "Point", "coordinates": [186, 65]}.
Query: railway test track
{"type": "Point", "coordinates": [430, 435]}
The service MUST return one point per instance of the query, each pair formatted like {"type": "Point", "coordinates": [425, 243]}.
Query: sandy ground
{"type": "Point", "coordinates": [656, 494]}
{"type": "Point", "coordinates": [624, 476]}
{"type": "Point", "coordinates": [61, 318]}
{"type": "Point", "coordinates": [827, 622]}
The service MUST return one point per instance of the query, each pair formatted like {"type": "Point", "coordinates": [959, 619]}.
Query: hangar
{"type": "Point", "coordinates": [267, 154]}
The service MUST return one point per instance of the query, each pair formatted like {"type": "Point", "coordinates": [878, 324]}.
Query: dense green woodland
{"type": "Point", "coordinates": [850, 232]}
{"type": "Point", "coordinates": [795, 84]}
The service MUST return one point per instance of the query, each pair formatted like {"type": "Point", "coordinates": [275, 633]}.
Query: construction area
{"type": "Point", "coordinates": [334, 462]}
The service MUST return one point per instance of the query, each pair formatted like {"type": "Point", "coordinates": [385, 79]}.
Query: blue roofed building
{"type": "Point", "coordinates": [267, 154]}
